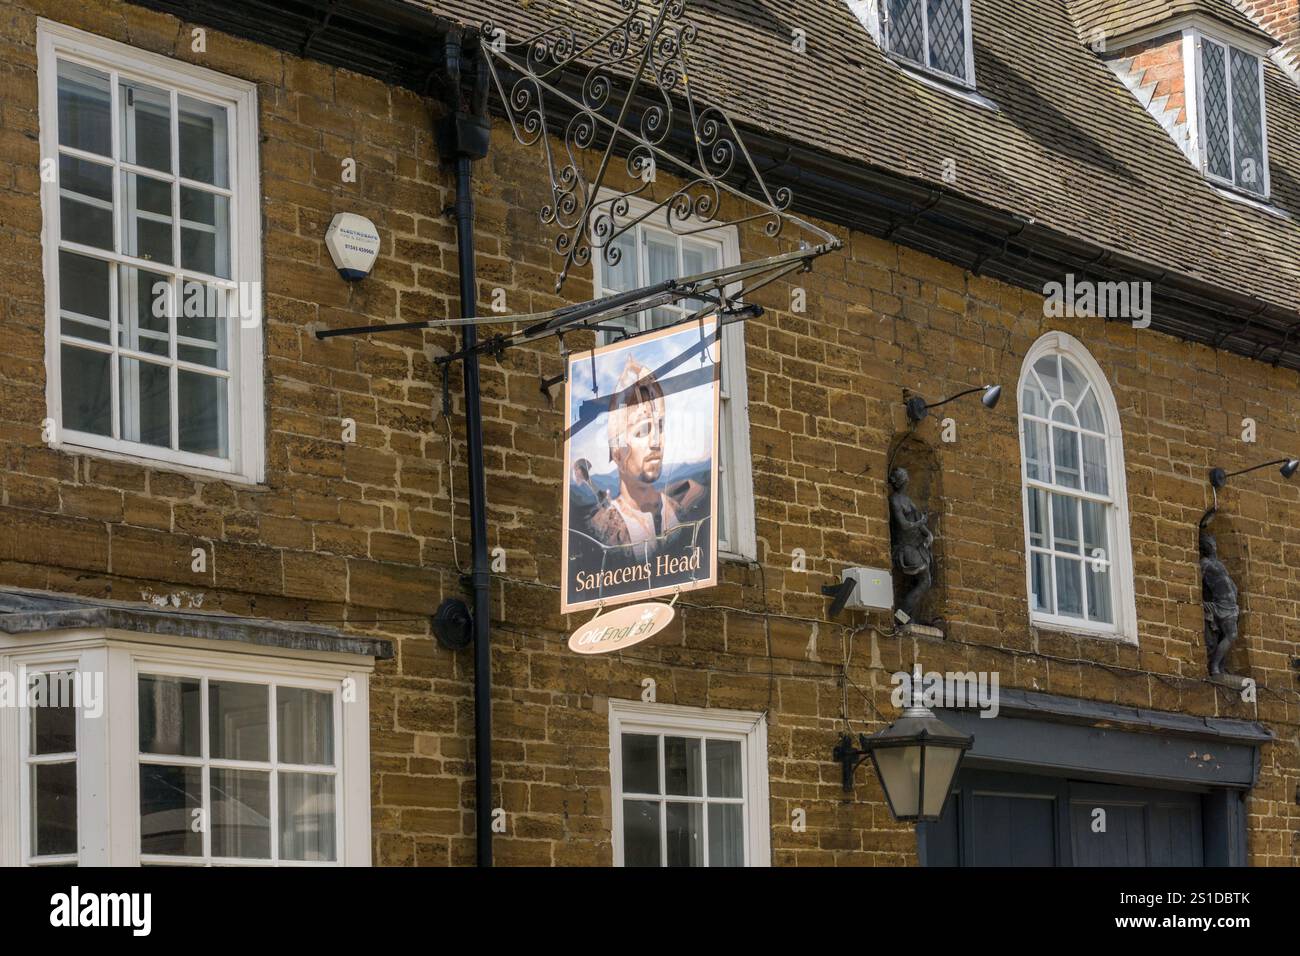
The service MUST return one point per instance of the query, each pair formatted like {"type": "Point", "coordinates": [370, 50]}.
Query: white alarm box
{"type": "Point", "coordinates": [874, 591]}
{"type": "Point", "coordinates": [353, 242]}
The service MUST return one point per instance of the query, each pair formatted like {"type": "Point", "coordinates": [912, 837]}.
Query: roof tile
{"type": "Point", "coordinates": [1067, 144]}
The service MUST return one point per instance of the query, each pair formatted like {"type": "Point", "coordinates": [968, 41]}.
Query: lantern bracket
{"type": "Point", "coordinates": [851, 757]}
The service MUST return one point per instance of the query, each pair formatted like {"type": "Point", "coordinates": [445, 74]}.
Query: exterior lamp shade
{"type": "Point", "coordinates": [991, 396]}
{"type": "Point", "coordinates": [917, 758]}
{"type": "Point", "coordinates": [1290, 467]}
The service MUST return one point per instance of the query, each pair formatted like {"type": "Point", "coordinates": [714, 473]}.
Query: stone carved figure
{"type": "Point", "coordinates": [912, 543]}
{"type": "Point", "coordinates": [1219, 601]}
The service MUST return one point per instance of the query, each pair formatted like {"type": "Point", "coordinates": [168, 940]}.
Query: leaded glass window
{"type": "Point", "coordinates": [934, 34]}
{"type": "Point", "coordinates": [1232, 122]}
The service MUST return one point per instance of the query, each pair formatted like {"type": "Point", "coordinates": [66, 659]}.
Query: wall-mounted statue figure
{"type": "Point", "coordinates": [912, 544]}
{"type": "Point", "coordinates": [1219, 601]}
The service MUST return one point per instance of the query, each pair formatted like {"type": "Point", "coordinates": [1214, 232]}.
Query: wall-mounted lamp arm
{"type": "Point", "coordinates": [917, 408]}
{"type": "Point", "coordinates": [850, 758]}
{"type": "Point", "coordinates": [1210, 512]}
{"type": "Point", "coordinates": [1219, 478]}
{"type": "Point", "coordinates": [953, 398]}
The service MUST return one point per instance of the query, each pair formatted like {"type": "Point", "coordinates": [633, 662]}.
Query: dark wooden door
{"type": "Point", "coordinates": [1127, 826]}
{"type": "Point", "coordinates": [1004, 819]}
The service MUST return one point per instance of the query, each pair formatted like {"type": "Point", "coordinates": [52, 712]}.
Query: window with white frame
{"type": "Point", "coordinates": [651, 252]}
{"type": "Point", "coordinates": [255, 760]}
{"type": "Point", "coordinates": [689, 786]}
{"type": "Point", "coordinates": [1075, 503]}
{"type": "Point", "coordinates": [1231, 129]}
{"type": "Point", "coordinates": [213, 759]}
{"type": "Point", "coordinates": [152, 256]}
{"type": "Point", "coordinates": [934, 35]}
{"type": "Point", "coordinates": [49, 781]}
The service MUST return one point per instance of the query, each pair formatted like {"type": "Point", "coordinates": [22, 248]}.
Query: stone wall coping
{"type": "Point", "coordinates": [24, 612]}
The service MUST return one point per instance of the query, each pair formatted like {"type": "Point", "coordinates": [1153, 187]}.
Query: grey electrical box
{"type": "Point", "coordinates": [875, 589]}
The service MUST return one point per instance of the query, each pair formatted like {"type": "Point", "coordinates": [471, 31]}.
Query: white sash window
{"type": "Point", "coordinates": [152, 256]}
{"type": "Point", "coordinates": [689, 786]}
{"type": "Point", "coordinates": [651, 252]}
{"type": "Point", "coordinates": [1077, 554]}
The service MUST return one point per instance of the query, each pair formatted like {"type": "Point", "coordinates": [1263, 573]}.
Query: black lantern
{"type": "Point", "coordinates": [916, 758]}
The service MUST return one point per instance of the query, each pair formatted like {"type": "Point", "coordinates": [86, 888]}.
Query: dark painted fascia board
{"type": "Point", "coordinates": [1014, 702]}
{"type": "Point", "coordinates": [391, 40]}
{"type": "Point", "coordinates": [1104, 752]}
{"type": "Point", "coordinates": [399, 43]}
{"type": "Point", "coordinates": [1005, 245]}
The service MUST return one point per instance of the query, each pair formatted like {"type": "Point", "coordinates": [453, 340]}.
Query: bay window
{"type": "Point", "coordinates": [50, 767]}
{"type": "Point", "coordinates": [214, 758]}
{"type": "Point", "coordinates": [254, 760]}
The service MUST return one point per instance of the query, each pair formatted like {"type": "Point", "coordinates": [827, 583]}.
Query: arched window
{"type": "Point", "coordinates": [1075, 504]}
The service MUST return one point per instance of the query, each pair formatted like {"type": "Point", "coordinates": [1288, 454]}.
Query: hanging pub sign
{"type": "Point", "coordinates": [621, 628]}
{"type": "Point", "coordinates": [641, 466]}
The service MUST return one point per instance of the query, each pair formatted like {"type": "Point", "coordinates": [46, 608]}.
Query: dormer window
{"type": "Point", "coordinates": [1197, 66]}
{"type": "Point", "coordinates": [1230, 104]}
{"type": "Point", "coordinates": [933, 36]}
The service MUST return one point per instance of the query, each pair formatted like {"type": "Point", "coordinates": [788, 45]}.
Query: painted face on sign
{"type": "Point", "coordinates": [636, 425]}
{"type": "Point", "coordinates": [643, 455]}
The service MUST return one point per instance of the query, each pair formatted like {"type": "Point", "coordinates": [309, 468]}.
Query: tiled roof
{"type": "Point", "coordinates": [1121, 17]}
{"type": "Point", "coordinates": [1067, 145]}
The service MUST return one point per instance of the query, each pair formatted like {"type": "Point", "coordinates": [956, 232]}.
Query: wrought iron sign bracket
{"type": "Point", "coordinates": [626, 98]}
{"type": "Point", "coordinates": [627, 95]}
{"type": "Point", "coordinates": [588, 316]}
{"type": "Point", "coordinates": [548, 383]}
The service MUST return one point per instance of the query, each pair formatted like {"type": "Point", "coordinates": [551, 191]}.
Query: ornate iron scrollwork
{"type": "Point", "coordinates": [645, 52]}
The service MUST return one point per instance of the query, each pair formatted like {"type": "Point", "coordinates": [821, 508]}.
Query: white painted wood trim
{"type": "Point", "coordinates": [107, 758]}
{"type": "Point", "coordinates": [11, 815]}
{"type": "Point", "coordinates": [245, 399]}
{"type": "Point", "coordinates": [1125, 604]}
{"type": "Point", "coordinates": [1183, 24]}
{"type": "Point", "coordinates": [354, 788]}
{"type": "Point", "coordinates": [630, 716]}
{"type": "Point", "coordinates": [1192, 93]}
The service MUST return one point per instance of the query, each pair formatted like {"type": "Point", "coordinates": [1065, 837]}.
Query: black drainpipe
{"type": "Point", "coordinates": [463, 138]}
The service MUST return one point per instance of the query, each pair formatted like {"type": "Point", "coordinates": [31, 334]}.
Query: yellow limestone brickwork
{"type": "Point", "coordinates": [363, 532]}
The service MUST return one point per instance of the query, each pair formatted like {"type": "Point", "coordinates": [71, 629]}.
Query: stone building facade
{"type": "Point", "coordinates": [365, 537]}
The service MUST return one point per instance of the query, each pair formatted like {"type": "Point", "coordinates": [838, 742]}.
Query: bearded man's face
{"type": "Point", "coordinates": [643, 454]}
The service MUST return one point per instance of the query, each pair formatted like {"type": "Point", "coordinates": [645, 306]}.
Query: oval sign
{"type": "Point", "coordinates": [621, 628]}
